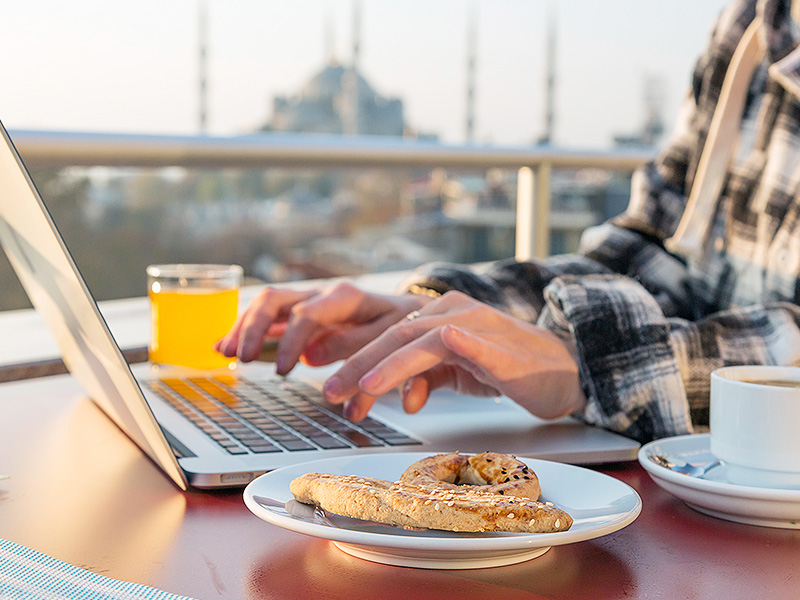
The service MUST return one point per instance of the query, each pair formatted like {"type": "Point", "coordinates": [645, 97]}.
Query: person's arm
{"type": "Point", "coordinates": [629, 372]}
{"type": "Point", "coordinates": [458, 342]}
{"type": "Point", "coordinates": [647, 376]}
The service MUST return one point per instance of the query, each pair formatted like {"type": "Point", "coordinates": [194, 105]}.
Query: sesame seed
{"type": "Point", "coordinates": [558, 522]}
{"type": "Point", "coordinates": [510, 515]}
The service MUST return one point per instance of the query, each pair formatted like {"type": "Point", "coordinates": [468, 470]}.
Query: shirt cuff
{"type": "Point", "coordinates": [622, 345]}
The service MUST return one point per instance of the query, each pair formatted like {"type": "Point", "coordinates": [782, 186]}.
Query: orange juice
{"type": "Point", "coordinates": [187, 321]}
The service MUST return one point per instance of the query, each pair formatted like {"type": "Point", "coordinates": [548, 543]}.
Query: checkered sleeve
{"type": "Point", "coordinates": [621, 339]}
{"type": "Point", "coordinates": [647, 376]}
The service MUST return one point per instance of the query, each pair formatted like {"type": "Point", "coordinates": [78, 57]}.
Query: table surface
{"type": "Point", "coordinates": [80, 491]}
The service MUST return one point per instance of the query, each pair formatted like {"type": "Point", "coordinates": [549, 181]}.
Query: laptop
{"type": "Point", "coordinates": [224, 428]}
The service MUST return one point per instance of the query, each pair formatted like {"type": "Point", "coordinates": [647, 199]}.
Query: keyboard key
{"type": "Point", "coordinates": [328, 442]}
{"type": "Point", "coordinates": [296, 444]}
{"type": "Point", "coordinates": [263, 448]}
{"type": "Point", "coordinates": [360, 439]}
{"type": "Point", "coordinates": [402, 440]}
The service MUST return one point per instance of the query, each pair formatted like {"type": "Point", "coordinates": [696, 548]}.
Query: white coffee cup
{"type": "Point", "coordinates": [755, 424]}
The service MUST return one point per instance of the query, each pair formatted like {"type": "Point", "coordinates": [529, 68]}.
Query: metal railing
{"type": "Point", "coordinates": [535, 163]}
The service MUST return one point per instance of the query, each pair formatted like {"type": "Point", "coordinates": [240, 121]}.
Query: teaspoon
{"type": "Point", "coordinates": [685, 468]}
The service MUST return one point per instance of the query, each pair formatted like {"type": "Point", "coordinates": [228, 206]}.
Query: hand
{"type": "Point", "coordinates": [466, 345]}
{"type": "Point", "coordinates": [319, 326]}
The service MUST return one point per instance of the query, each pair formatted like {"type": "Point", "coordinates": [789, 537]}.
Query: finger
{"type": "Point", "coordinates": [415, 393]}
{"type": "Point", "coordinates": [357, 407]}
{"type": "Point", "coordinates": [349, 379]}
{"type": "Point", "coordinates": [229, 343]}
{"type": "Point", "coordinates": [311, 318]}
{"type": "Point", "coordinates": [418, 356]}
{"type": "Point", "coordinates": [341, 343]}
{"type": "Point", "coordinates": [482, 358]}
{"type": "Point", "coordinates": [270, 305]}
{"type": "Point", "coordinates": [343, 305]}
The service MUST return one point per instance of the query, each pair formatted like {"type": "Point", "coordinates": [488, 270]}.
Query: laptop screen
{"type": "Point", "coordinates": [58, 292]}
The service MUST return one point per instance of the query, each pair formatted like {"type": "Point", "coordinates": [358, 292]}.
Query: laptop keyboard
{"type": "Point", "coordinates": [278, 415]}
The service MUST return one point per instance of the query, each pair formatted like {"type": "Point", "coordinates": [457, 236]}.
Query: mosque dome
{"type": "Point", "coordinates": [329, 103]}
{"type": "Point", "coordinates": [330, 83]}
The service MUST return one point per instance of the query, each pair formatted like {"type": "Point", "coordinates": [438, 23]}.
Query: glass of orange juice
{"type": "Point", "coordinates": [191, 307]}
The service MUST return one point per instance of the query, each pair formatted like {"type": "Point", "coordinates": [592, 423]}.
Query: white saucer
{"type": "Point", "coordinates": [713, 494]}
{"type": "Point", "coordinates": [599, 505]}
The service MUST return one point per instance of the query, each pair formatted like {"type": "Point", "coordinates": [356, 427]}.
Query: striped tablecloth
{"type": "Point", "coordinates": [26, 574]}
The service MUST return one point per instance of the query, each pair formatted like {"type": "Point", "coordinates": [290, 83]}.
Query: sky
{"type": "Point", "coordinates": [132, 67]}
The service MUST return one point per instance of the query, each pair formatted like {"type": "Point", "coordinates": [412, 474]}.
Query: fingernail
{"type": "Point", "coordinates": [244, 349]}
{"type": "Point", "coordinates": [332, 388]}
{"type": "Point", "coordinates": [351, 412]}
{"type": "Point", "coordinates": [454, 330]}
{"type": "Point", "coordinates": [280, 365]}
{"type": "Point", "coordinates": [370, 381]}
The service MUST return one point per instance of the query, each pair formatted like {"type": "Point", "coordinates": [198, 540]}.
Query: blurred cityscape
{"type": "Point", "coordinates": [286, 224]}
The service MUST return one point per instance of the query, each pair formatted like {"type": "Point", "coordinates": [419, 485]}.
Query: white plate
{"type": "Point", "coordinates": [713, 494]}
{"type": "Point", "coordinates": [598, 504]}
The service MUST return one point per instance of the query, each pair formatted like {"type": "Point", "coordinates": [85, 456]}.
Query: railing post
{"type": "Point", "coordinates": [541, 219]}
{"type": "Point", "coordinates": [533, 212]}
{"type": "Point", "coordinates": [525, 215]}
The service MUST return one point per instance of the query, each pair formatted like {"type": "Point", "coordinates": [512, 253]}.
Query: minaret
{"type": "Point", "coordinates": [350, 112]}
{"type": "Point", "coordinates": [356, 35]}
{"type": "Point", "coordinates": [550, 81]}
{"type": "Point", "coordinates": [202, 117]}
{"type": "Point", "coordinates": [330, 44]}
{"type": "Point", "coordinates": [469, 132]}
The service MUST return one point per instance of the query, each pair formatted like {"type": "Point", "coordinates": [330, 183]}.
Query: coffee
{"type": "Point", "coordinates": [787, 383]}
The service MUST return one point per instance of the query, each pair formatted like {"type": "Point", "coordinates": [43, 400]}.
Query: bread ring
{"type": "Point", "coordinates": [461, 509]}
{"type": "Point", "coordinates": [490, 472]}
{"type": "Point", "coordinates": [485, 492]}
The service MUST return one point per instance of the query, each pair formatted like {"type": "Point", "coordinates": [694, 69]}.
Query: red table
{"type": "Point", "coordinates": [82, 492]}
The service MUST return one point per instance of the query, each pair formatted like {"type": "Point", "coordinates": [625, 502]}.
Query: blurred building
{"type": "Point", "coordinates": [337, 100]}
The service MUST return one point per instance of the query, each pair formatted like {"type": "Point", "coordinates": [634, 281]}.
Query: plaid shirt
{"type": "Point", "coordinates": [647, 327]}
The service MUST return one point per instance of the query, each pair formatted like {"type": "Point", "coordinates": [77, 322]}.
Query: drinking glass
{"type": "Point", "coordinates": [191, 307]}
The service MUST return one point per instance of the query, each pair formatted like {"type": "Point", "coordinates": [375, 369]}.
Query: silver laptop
{"type": "Point", "coordinates": [222, 429]}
